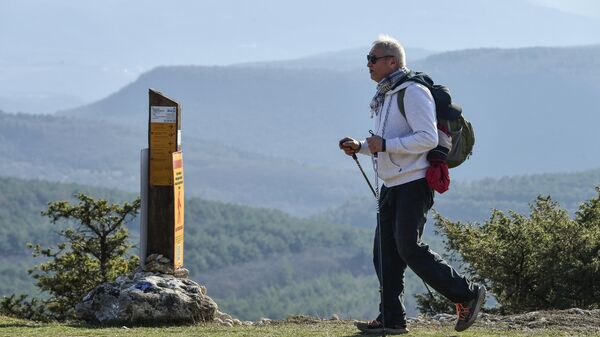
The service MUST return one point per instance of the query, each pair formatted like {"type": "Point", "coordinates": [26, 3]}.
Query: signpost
{"type": "Point", "coordinates": [179, 204]}
{"type": "Point", "coordinates": [165, 194]}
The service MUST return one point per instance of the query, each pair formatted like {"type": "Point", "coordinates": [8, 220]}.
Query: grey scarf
{"type": "Point", "coordinates": [387, 84]}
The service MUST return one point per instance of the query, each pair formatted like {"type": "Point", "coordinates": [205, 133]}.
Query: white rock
{"type": "Point", "coordinates": [265, 321]}
{"type": "Point", "coordinates": [147, 297]}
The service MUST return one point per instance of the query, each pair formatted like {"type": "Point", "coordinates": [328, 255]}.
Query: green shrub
{"type": "Point", "coordinates": [95, 252]}
{"type": "Point", "coordinates": [545, 261]}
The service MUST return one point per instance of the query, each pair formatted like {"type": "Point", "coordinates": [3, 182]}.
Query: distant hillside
{"type": "Point", "coordinates": [263, 262]}
{"type": "Point", "coordinates": [298, 114]}
{"type": "Point", "coordinates": [254, 262]}
{"type": "Point", "coordinates": [98, 153]}
{"type": "Point", "coordinates": [532, 108]}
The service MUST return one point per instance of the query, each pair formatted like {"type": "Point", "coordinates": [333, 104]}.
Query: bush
{"type": "Point", "coordinates": [544, 261]}
{"type": "Point", "coordinates": [19, 306]}
{"type": "Point", "coordinates": [95, 252]}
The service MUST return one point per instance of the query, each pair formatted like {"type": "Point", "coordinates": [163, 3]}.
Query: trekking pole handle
{"type": "Point", "coordinates": [342, 147]}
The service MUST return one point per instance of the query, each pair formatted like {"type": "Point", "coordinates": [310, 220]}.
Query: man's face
{"type": "Point", "coordinates": [383, 66]}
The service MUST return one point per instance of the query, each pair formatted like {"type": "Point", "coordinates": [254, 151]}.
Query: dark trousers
{"type": "Point", "coordinates": [403, 213]}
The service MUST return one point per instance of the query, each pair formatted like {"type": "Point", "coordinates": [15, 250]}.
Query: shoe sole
{"type": "Point", "coordinates": [480, 299]}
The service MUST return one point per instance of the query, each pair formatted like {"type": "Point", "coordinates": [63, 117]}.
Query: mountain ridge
{"type": "Point", "coordinates": [274, 110]}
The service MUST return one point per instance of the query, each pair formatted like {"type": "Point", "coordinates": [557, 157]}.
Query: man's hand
{"type": "Point", "coordinates": [375, 144]}
{"type": "Point", "coordinates": [349, 146]}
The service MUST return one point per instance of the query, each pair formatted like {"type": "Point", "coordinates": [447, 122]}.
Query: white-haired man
{"type": "Point", "coordinates": [402, 143]}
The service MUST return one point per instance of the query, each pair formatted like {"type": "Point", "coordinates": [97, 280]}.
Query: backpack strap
{"type": "Point", "coordinates": [400, 98]}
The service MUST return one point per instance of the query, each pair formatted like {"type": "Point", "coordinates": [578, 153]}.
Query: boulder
{"type": "Point", "coordinates": [142, 297]}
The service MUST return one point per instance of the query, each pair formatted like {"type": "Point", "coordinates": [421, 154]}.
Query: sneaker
{"type": "Point", "coordinates": [467, 312]}
{"type": "Point", "coordinates": [375, 327]}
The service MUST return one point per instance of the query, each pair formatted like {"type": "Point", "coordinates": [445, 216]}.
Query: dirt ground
{"type": "Point", "coordinates": [576, 320]}
{"type": "Point", "coordinates": [571, 319]}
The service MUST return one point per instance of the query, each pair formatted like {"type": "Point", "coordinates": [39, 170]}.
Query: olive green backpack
{"type": "Point", "coordinates": [449, 116]}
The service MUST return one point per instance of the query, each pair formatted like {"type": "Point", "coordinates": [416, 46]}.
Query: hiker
{"type": "Point", "coordinates": [401, 145]}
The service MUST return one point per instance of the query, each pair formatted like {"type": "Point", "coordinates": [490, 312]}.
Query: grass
{"type": "Point", "coordinates": [17, 327]}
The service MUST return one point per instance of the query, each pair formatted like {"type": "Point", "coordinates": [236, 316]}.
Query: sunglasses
{"type": "Point", "coordinates": [373, 59]}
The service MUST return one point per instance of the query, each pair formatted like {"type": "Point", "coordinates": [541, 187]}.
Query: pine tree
{"type": "Point", "coordinates": [95, 251]}
{"type": "Point", "coordinates": [546, 260]}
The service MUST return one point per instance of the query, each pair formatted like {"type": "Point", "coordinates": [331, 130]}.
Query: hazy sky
{"type": "Point", "coordinates": [589, 8]}
{"type": "Point", "coordinates": [228, 31]}
{"type": "Point", "coordinates": [63, 53]}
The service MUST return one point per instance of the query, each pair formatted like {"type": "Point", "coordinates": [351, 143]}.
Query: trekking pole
{"type": "Point", "coordinates": [364, 175]}
{"type": "Point", "coordinates": [376, 192]}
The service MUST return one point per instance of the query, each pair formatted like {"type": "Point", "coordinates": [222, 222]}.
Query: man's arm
{"type": "Point", "coordinates": [420, 115]}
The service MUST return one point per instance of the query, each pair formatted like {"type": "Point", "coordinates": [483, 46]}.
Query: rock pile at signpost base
{"type": "Point", "coordinates": [148, 296]}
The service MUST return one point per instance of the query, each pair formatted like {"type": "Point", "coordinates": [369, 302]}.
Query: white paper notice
{"type": "Point", "coordinates": [163, 114]}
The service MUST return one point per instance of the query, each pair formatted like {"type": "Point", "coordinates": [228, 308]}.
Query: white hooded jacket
{"type": "Point", "coordinates": [407, 139]}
